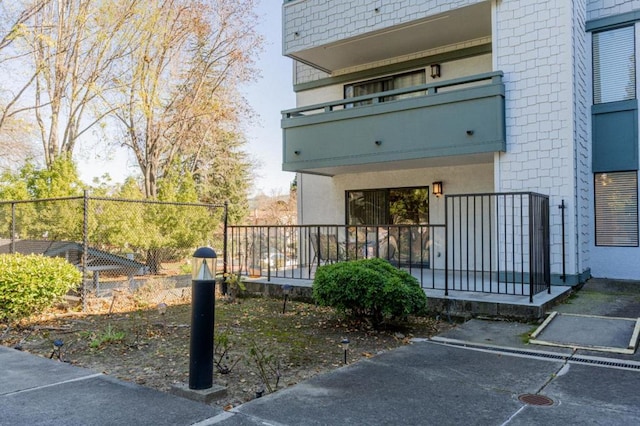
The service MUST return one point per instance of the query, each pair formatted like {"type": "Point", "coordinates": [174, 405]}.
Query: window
{"type": "Point", "coordinates": [395, 206]}
{"type": "Point", "coordinates": [370, 87]}
{"type": "Point", "coordinates": [616, 206]}
{"type": "Point", "coordinates": [614, 65]}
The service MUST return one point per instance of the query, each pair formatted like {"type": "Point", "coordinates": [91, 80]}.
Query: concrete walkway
{"type": "Point", "coordinates": [481, 372]}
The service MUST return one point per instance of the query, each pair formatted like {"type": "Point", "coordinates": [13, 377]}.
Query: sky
{"type": "Point", "coordinates": [269, 95]}
{"type": "Point", "coordinates": [272, 93]}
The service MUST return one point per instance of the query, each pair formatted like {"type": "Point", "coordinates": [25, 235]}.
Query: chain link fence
{"type": "Point", "coordinates": [135, 246]}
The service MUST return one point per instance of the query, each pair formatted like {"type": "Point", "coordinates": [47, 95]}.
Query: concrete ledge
{"type": "Point", "coordinates": [268, 289]}
{"type": "Point", "coordinates": [206, 396]}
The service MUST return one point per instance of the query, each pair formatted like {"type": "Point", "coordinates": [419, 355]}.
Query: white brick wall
{"type": "Point", "coordinates": [582, 132]}
{"type": "Point", "coordinates": [534, 47]}
{"type": "Point", "coordinates": [602, 8]}
{"type": "Point", "coordinates": [319, 22]}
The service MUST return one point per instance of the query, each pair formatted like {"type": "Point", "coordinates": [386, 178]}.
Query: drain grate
{"type": "Point", "coordinates": [577, 359]}
{"type": "Point", "coordinates": [533, 399]}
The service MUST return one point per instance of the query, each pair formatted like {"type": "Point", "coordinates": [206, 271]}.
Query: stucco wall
{"type": "Point", "coordinates": [450, 70]}
{"type": "Point", "coordinates": [322, 199]}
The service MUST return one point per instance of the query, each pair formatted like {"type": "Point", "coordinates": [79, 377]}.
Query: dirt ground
{"type": "Point", "coordinates": [258, 347]}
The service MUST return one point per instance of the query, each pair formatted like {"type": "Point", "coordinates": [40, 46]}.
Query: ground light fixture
{"type": "Point", "coordinates": [345, 348]}
{"type": "Point", "coordinates": [57, 349]}
{"type": "Point", "coordinates": [202, 314]}
{"type": "Point", "coordinates": [286, 290]}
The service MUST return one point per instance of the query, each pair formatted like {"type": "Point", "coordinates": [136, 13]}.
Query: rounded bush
{"type": "Point", "coordinates": [369, 288]}
{"type": "Point", "coordinates": [31, 283]}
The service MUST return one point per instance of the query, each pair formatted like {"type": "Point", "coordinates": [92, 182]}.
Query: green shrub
{"type": "Point", "coordinates": [31, 283]}
{"type": "Point", "coordinates": [369, 288]}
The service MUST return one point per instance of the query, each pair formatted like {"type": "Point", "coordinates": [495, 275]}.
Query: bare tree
{"type": "Point", "coordinates": [76, 46]}
{"type": "Point", "coordinates": [180, 90]}
{"type": "Point", "coordinates": [15, 20]}
{"type": "Point", "coordinates": [14, 17]}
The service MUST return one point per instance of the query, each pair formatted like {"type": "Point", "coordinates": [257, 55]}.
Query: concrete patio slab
{"type": "Point", "coordinates": [589, 332]}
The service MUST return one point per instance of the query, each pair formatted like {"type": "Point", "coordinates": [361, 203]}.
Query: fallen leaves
{"type": "Point", "coordinates": [306, 341]}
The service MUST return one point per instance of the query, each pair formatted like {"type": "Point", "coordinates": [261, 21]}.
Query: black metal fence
{"type": "Point", "coordinates": [295, 251]}
{"type": "Point", "coordinates": [491, 243]}
{"type": "Point", "coordinates": [116, 243]}
{"type": "Point", "coordinates": [498, 243]}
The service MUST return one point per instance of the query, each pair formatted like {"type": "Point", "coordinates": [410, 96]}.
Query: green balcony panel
{"type": "Point", "coordinates": [458, 121]}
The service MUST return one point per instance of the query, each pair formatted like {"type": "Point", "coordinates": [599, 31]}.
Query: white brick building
{"type": "Point", "coordinates": [486, 97]}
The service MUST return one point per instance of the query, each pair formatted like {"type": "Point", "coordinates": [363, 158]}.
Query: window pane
{"type": "Point", "coordinates": [409, 206]}
{"type": "Point", "coordinates": [614, 65]}
{"type": "Point", "coordinates": [411, 79]}
{"type": "Point", "coordinates": [396, 206]}
{"type": "Point", "coordinates": [616, 205]}
{"type": "Point", "coordinates": [370, 87]}
{"type": "Point", "coordinates": [367, 207]}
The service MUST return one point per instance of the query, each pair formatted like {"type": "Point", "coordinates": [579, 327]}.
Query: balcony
{"type": "Point", "coordinates": [336, 35]}
{"type": "Point", "coordinates": [450, 122]}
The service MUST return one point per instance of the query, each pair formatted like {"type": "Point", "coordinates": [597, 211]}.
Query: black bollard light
{"type": "Point", "coordinates": [202, 311]}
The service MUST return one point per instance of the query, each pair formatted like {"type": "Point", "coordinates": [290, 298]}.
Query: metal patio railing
{"type": "Point", "coordinates": [295, 251]}
{"type": "Point", "coordinates": [498, 243]}
{"type": "Point", "coordinates": [490, 243]}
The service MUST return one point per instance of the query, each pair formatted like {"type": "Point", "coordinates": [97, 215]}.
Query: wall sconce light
{"type": "Point", "coordinates": [435, 70]}
{"type": "Point", "coordinates": [470, 132]}
{"type": "Point", "coordinates": [296, 152]}
{"type": "Point", "coordinates": [436, 188]}
{"type": "Point", "coordinates": [378, 143]}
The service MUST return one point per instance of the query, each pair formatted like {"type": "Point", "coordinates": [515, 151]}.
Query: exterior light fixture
{"type": "Point", "coordinates": [435, 70]}
{"type": "Point", "coordinates": [57, 349]}
{"type": "Point", "coordinates": [202, 313]}
{"type": "Point", "coordinates": [286, 289]}
{"type": "Point", "coordinates": [436, 188]}
{"type": "Point", "coordinates": [345, 348]}
{"type": "Point", "coordinates": [378, 143]}
{"type": "Point", "coordinates": [203, 264]}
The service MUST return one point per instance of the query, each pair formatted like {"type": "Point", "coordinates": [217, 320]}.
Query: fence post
{"type": "Point", "coordinates": [13, 228]}
{"type": "Point", "coordinates": [85, 248]}
{"type": "Point", "coordinates": [562, 208]}
{"type": "Point", "coordinates": [533, 239]}
{"type": "Point", "coordinates": [446, 245]}
{"type": "Point", "coordinates": [224, 248]}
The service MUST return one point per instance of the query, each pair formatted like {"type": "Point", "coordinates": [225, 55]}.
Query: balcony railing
{"type": "Point", "coordinates": [454, 117]}
{"type": "Point", "coordinates": [296, 251]}
{"type": "Point", "coordinates": [490, 243]}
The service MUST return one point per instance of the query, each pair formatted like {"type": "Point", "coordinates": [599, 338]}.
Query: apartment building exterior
{"type": "Point", "coordinates": [478, 97]}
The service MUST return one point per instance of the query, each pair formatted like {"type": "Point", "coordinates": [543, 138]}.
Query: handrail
{"type": "Point", "coordinates": [429, 89]}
